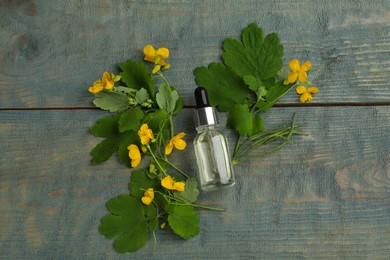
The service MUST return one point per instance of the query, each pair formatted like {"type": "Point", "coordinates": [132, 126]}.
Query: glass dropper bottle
{"type": "Point", "coordinates": [211, 147]}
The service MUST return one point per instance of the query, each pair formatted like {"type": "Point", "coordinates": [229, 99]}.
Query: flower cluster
{"type": "Point", "coordinates": [169, 183]}
{"type": "Point", "coordinates": [146, 137]}
{"type": "Point", "coordinates": [298, 75]}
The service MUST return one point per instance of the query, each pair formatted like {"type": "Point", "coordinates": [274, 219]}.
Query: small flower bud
{"type": "Point", "coordinates": [157, 60]}
{"type": "Point", "coordinates": [152, 168]}
{"type": "Point", "coordinates": [132, 101]}
{"type": "Point", "coordinates": [166, 67]}
{"type": "Point", "coordinates": [156, 69]}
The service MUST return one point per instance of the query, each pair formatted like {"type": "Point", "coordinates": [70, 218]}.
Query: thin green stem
{"type": "Point", "coordinates": [155, 242]}
{"type": "Point", "coordinates": [163, 77]}
{"type": "Point", "coordinates": [170, 115]}
{"type": "Point", "coordinates": [198, 206]}
{"type": "Point", "coordinates": [171, 126]}
{"type": "Point", "coordinates": [160, 139]}
{"type": "Point", "coordinates": [207, 207]}
{"type": "Point", "coordinates": [254, 142]}
{"type": "Point", "coordinates": [182, 202]}
{"type": "Point", "coordinates": [237, 145]}
{"type": "Point", "coordinates": [173, 166]}
{"type": "Point", "coordinates": [155, 159]}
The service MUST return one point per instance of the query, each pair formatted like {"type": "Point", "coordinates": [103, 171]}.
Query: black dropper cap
{"type": "Point", "coordinates": [204, 114]}
{"type": "Point", "coordinates": [201, 98]}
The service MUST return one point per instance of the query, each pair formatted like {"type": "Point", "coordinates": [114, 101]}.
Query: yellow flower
{"type": "Point", "coordinates": [97, 87]}
{"type": "Point", "coordinates": [306, 93]}
{"type": "Point", "coordinates": [148, 196]}
{"type": "Point", "coordinates": [157, 57]}
{"type": "Point", "coordinates": [177, 142]}
{"type": "Point", "coordinates": [135, 155]}
{"type": "Point", "coordinates": [107, 82]}
{"type": "Point", "coordinates": [171, 184]}
{"type": "Point", "coordinates": [298, 71]}
{"type": "Point", "coordinates": [145, 134]}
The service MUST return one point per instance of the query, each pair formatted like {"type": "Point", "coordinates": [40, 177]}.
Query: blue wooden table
{"type": "Point", "coordinates": [327, 195]}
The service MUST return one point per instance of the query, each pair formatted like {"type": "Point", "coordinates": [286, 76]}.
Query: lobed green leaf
{"type": "Point", "coordinates": [140, 182]}
{"type": "Point", "coordinates": [167, 98]}
{"type": "Point", "coordinates": [131, 119]}
{"type": "Point", "coordinates": [111, 101]}
{"type": "Point", "coordinates": [254, 55]}
{"type": "Point", "coordinates": [245, 122]}
{"type": "Point", "coordinates": [127, 220]}
{"type": "Point", "coordinates": [125, 139]}
{"type": "Point", "coordinates": [240, 119]}
{"type": "Point", "coordinates": [190, 193]}
{"type": "Point", "coordinates": [105, 127]}
{"type": "Point", "coordinates": [224, 88]}
{"type": "Point", "coordinates": [274, 93]}
{"type": "Point", "coordinates": [141, 96]}
{"type": "Point", "coordinates": [136, 75]}
{"type": "Point", "coordinates": [156, 119]}
{"type": "Point", "coordinates": [103, 150]}
{"type": "Point", "coordinates": [184, 221]}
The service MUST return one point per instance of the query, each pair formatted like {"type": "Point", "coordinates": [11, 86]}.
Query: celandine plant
{"type": "Point", "coordinates": [249, 81]}
{"type": "Point", "coordinates": [143, 127]}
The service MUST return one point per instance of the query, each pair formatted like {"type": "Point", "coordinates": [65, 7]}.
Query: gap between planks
{"type": "Point", "coordinates": [344, 104]}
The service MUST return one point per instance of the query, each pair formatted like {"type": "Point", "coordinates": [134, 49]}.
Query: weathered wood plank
{"type": "Point", "coordinates": [326, 195]}
{"type": "Point", "coordinates": [51, 51]}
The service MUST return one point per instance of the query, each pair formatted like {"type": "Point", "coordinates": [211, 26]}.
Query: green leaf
{"type": "Point", "coordinates": [153, 223]}
{"type": "Point", "coordinates": [225, 89]}
{"type": "Point", "coordinates": [244, 121]}
{"type": "Point", "coordinates": [125, 139]}
{"type": "Point", "coordinates": [150, 211]}
{"type": "Point", "coordinates": [131, 119]}
{"type": "Point", "coordinates": [105, 127]}
{"type": "Point", "coordinates": [141, 96]}
{"type": "Point", "coordinates": [166, 98]}
{"type": "Point", "coordinates": [108, 127]}
{"type": "Point", "coordinates": [103, 150]}
{"type": "Point", "coordinates": [240, 119]}
{"type": "Point", "coordinates": [155, 120]}
{"type": "Point", "coordinates": [179, 105]}
{"type": "Point", "coordinates": [111, 101]}
{"type": "Point", "coordinates": [254, 55]}
{"type": "Point", "coordinates": [256, 85]}
{"type": "Point", "coordinates": [137, 76]}
{"type": "Point", "coordinates": [253, 82]}
{"type": "Point", "coordinates": [139, 183]}
{"type": "Point", "coordinates": [258, 124]}
{"type": "Point", "coordinates": [127, 220]}
{"type": "Point", "coordinates": [152, 215]}
{"type": "Point", "coordinates": [190, 193]}
{"type": "Point", "coordinates": [184, 221]}
{"type": "Point", "coordinates": [112, 226]}
{"type": "Point", "coordinates": [273, 95]}
{"type": "Point", "coordinates": [283, 74]}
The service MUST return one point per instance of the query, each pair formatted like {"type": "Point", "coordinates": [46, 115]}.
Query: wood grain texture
{"type": "Point", "coordinates": [51, 51]}
{"type": "Point", "coordinates": [327, 195]}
